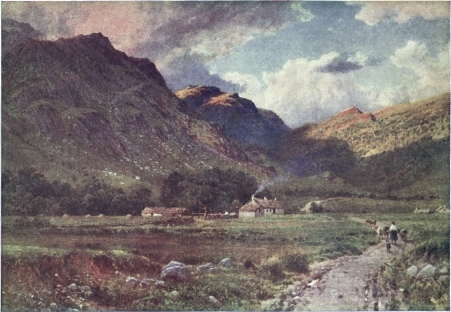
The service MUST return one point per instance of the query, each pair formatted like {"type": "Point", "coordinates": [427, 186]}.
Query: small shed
{"type": "Point", "coordinates": [261, 207]}
{"type": "Point", "coordinates": [165, 212]}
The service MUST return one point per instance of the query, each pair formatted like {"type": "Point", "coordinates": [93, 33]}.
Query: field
{"type": "Point", "coordinates": [43, 256]}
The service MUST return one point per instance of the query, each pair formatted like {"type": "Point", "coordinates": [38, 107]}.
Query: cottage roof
{"type": "Point", "coordinates": [164, 210]}
{"type": "Point", "coordinates": [258, 203]}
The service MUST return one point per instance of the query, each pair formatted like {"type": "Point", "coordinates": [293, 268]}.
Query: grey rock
{"type": "Point", "coordinates": [428, 271]}
{"type": "Point", "coordinates": [226, 262]}
{"type": "Point", "coordinates": [174, 294]}
{"type": "Point", "coordinates": [205, 268]}
{"type": "Point", "coordinates": [444, 280]}
{"type": "Point", "coordinates": [72, 287]}
{"type": "Point", "coordinates": [270, 305]}
{"type": "Point", "coordinates": [412, 271]}
{"type": "Point", "coordinates": [175, 270]}
{"type": "Point", "coordinates": [53, 306]}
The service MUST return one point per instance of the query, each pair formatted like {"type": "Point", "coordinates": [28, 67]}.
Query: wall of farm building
{"type": "Point", "coordinates": [248, 214]}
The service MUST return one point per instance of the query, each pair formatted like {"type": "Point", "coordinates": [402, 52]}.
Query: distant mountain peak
{"type": "Point", "coordinates": [347, 118]}
{"type": "Point", "coordinates": [238, 117]}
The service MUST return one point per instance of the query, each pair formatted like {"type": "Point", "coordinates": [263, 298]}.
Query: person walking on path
{"type": "Point", "coordinates": [393, 233]}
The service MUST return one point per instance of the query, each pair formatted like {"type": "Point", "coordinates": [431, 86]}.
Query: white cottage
{"type": "Point", "coordinates": [260, 207]}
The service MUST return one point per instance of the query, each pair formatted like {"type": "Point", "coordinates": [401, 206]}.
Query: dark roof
{"type": "Point", "coordinates": [164, 210]}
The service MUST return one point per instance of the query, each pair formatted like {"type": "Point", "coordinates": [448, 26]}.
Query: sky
{"type": "Point", "coordinates": [303, 60]}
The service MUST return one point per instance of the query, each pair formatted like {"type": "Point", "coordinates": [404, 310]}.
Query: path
{"type": "Point", "coordinates": [349, 283]}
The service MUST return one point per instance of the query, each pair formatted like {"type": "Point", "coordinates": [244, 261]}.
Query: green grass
{"type": "Point", "coordinates": [269, 253]}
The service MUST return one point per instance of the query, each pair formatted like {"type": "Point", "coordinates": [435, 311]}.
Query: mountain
{"type": "Point", "coordinates": [402, 149]}
{"type": "Point", "coordinates": [240, 119]}
{"type": "Point", "coordinates": [77, 104]}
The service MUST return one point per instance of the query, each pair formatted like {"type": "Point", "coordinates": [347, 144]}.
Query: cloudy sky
{"type": "Point", "coordinates": [303, 60]}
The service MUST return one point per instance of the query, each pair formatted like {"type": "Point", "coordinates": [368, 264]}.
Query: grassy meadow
{"type": "Point", "coordinates": [269, 253]}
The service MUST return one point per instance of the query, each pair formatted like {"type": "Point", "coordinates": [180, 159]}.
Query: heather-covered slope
{"type": "Point", "coordinates": [240, 119]}
{"type": "Point", "coordinates": [402, 150]}
{"type": "Point", "coordinates": [78, 104]}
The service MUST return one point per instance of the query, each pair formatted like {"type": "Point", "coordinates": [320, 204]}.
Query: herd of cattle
{"type": "Point", "coordinates": [384, 231]}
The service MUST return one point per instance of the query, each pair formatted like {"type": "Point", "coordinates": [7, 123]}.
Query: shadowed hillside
{"type": "Point", "coordinates": [79, 104]}
{"type": "Point", "coordinates": [402, 150]}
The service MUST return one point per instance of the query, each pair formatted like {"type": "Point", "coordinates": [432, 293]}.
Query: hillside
{"type": "Point", "coordinates": [78, 105]}
{"type": "Point", "coordinates": [402, 150]}
{"type": "Point", "coordinates": [240, 119]}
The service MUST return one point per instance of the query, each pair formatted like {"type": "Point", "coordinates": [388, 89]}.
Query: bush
{"type": "Point", "coordinates": [434, 248]}
{"type": "Point", "coordinates": [296, 262]}
{"type": "Point", "coordinates": [248, 264]}
{"type": "Point", "coordinates": [274, 268]}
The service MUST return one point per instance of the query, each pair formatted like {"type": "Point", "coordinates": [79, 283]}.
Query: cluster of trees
{"type": "Point", "coordinates": [30, 193]}
{"type": "Point", "coordinates": [214, 190]}
{"type": "Point", "coordinates": [27, 192]}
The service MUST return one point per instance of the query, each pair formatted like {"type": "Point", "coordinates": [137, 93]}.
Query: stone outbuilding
{"type": "Point", "coordinates": [261, 207]}
{"type": "Point", "coordinates": [165, 212]}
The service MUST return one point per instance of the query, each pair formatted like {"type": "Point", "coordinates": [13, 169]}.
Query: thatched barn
{"type": "Point", "coordinates": [261, 207]}
{"type": "Point", "coordinates": [165, 212]}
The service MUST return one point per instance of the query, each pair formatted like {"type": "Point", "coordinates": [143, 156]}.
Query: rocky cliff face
{"type": "Point", "coordinates": [80, 103]}
{"type": "Point", "coordinates": [238, 117]}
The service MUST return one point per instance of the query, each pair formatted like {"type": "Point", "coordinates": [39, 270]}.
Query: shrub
{"type": "Point", "coordinates": [434, 248]}
{"type": "Point", "coordinates": [296, 262]}
{"type": "Point", "coordinates": [248, 264]}
{"type": "Point", "coordinates": [273, 268]}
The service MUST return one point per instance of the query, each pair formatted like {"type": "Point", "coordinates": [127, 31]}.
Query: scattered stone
{"type": "Point", "coordinates": [444, 280]}
{"type": "Point", "coordinates": [427, 272]}
{"type": "Point", "coordinates": [227, 263]}
{"type": "Point", "coordinates": [174, 294]}
{"type": "Point", "coordinates": [270, 305]}
{"type": "Point", "coordinates": [444, 270]}
{"type": "Point", "coordinates": [213, 300]}
{"type": "Point", "coordinates": [72, 287]}
{"type": "Point", "coordinates": [53, 306]}
{"type": "Point", "coordinates": [205, 268]}
{"type": "Point", "coordinates": [175, 270]}
{"type": "Point", "coordinates": [412, 271]}
{"type": "Point", "coordinates": [159, 283]}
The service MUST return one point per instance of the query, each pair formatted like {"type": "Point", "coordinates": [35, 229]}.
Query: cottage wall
{"type": "Point", "coordinates": [248, 214]}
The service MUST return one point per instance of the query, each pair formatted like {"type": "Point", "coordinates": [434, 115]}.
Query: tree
{"type": "Point", "coordinates": [213, 188]}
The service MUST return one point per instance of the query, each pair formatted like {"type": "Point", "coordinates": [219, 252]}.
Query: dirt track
{"type": "Point", "coordinates": [349, 283]}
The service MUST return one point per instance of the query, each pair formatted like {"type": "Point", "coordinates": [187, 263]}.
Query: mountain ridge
{"type": "Point", "coordinates": [80, 103]}
{"type": "Point", "coordinates": [77, 104]}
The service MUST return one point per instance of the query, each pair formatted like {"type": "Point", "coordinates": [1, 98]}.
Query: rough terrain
{"type": "Point", "coordinates": [349, 283]}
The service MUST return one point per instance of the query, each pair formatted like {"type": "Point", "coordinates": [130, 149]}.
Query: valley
{"type": "Point", "coordinates": [91, 136]}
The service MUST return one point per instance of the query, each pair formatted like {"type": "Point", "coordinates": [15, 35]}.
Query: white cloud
{"type": "Point", "coordinates": [374, 12]}
{"type": "Point", "coordinates": [300, 92]}
{"type": "Point", "coordinates": [433, 72]}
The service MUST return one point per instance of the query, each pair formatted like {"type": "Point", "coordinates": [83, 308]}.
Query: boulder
{"type": "Point", "coordinates": [412, 271]}
{"type": "Point", "coordinates": [226, 262]}
{"type": "Point", "coordinates": [209, 267]}
{"type": "Point", "coordinates": [444, 280]}
{"type": "Point", "coordinates": [174, 294]}
{"type": "Point", "coordinates": [313, 207]}
{"type": "Point", "coordinates": [428, 271]}
{"type": "Point", "coordinates": [72, 287]}
{"type": "Point", "coordinates": [175, 270]}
